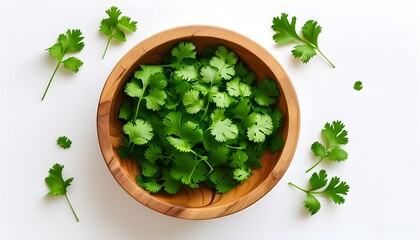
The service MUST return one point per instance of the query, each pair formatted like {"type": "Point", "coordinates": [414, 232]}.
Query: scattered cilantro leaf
{"type": "Point", "coordinates": [307, 45]}
{"type": "Point", "coordinates": [64, 142]}
{"type": "Point", "coordinates": [71, 41]}
{"type": "Point", "coordinates": [261, 126]}
{"type": "Point", "coordinates": [57, 185]}
{"type": "Point", "coordinates": [116, 27]}
{"type": "Point", "coordinates": [335, 190]}
{"type": "Point", "coordinates": [358, 85]}
{"type": "Point", "coordinates": [266, 92]}
{"type": "Point", "coordinates": [334, 136]}
{"type": "Point", "coordinates": [139, 132]}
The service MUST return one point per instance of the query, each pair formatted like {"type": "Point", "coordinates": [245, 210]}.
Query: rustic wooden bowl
{"type": "Point", "coordinates": [202, 203]}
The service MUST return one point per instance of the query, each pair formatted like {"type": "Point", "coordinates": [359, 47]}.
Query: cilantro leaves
{"type": "Point", "coordinates": [64, 142]}
{"type": "Point", "coordinates": [334, 136]}
{"type": "Point", "coordinates": [358, 85]}
{"type": "Point", "coordinates": [116, 27]}
{"type": "Point", "coordinates": [71, 41]}
{"type": "Point", "coordinates": [334, 190]}
{"type": "Point", "coordinates": [307, 46]}
{"type": "Point", "coordinates": [198, 119]}
{"type": "Point", "coordinates": [57, 185]}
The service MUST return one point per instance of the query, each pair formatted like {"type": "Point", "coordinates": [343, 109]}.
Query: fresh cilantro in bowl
{"type": "Point", "coordinates": [198, 119]}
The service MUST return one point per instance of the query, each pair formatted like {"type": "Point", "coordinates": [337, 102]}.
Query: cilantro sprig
{"type": "Point", "coordinates": [335, 190]}
{"type": "Point", "coordinates": [335, 136]}
{"type": "Point", "coordinates": [57, 185]}
{"type": "Point", "coordinates": [116, 27]}
{"type": "Point", "coordinates": [307, 45]}
{"type": "Point", "coordinates": [71, 41]}
{"type": "Point", "coordinates": [198, 119]}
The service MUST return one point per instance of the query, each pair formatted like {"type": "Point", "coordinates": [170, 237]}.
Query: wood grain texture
{"type": "Point", "coordinates": [202, 203]}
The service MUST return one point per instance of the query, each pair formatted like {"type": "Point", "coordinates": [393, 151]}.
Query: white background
{"type": "Point", "coordinates": [376, 42]}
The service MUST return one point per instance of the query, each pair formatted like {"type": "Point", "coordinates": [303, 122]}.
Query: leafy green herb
{"type": "Point", "coordinates": [307, 45]}
{"type": "Point", "coordinates": [57, 185]}
{"type": "Point", "coordinates": [116, 27]}
{"type": "Point", "coordinates": [334, 136]}
{"type": "Point", "coordinates": [358, 85]}
{"type": "Point", "coordinates": [64, 142]}
{"type": "Point", "coordinates": [335, 190]}
{"type": "Point", "coordinates": [71, 41]}
{"type": "Point", "coordinates": [198, 119]}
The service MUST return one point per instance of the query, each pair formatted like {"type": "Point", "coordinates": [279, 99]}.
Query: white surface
{"type": "Point", "coordinates": [374, 41]}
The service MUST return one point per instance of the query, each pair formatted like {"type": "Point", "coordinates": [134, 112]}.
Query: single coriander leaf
{"type": "Point", "coordinates": [139, 132]}
{"type": "Point", "coordinates": [336, 189]}
{"type": "Point", "coordinates": [318, 149]}
{"type": "Point", "coordinates": [64, 142]}
{"type": "Point", "coordinates": [310, 31]}
{"type": "Point", "coordinates": [72, 40]}
{"type": "Point", "coordinates": [285, 30]}
{"type": "Point", "coordinates": [155, 99]}
{"type": "Point", "coordinates": [334, 133]}
{"type": "Point", "coordinates": [261, 126]}
{"type": "Point", "coordinates": [266, 92]}
{"type": "Point", "coordinates": [318, 180]}
{"type": "Point", "coordinates": [358, 85]}
{"type": "Point", "coordinates": [241, 110]}
{"type": "Point", "coordinates": [146, 74]}
{"type": "Point", "coordinates": [56, 50]}
{"type": "Point", "coordinates": [188, 73]}
{"type": "Point", "coordinates": [241, 174]}
{"type": "Point", "coordinates": [183, 50]}
{"type": "Point", "coordinates": [153, 153]}
{"type": "Point", "coordinates": [209, 74]}
{"type": "Point", "coordinates": [192, 101]}
{"type": "Point", "coordinates": [239, 159]}
{"type": "Point", "coordinates": [126, 25]}
{"type": "Point", "coordinates": [73, 64]}
{"type": "Point", "coordinates": [221, 99]}
{"type": "Point", "coordinates": [222, 128]}
{"type": "Point", "coordinates": [312, 204]}
{"type": "Point", "coordinates": [55, 181]}
{"type": "Point", "coordinates": [337, 154]}
{"type": "Point", "coordinates": [235, 88]}
{"type": "Point", "coordinates": [182, 136]}
{"type": "Point", "coordinates": [57, 185]}
{"type": "Point", "coordinates": [304, 52]}
{"type": "Point", "coordinates": [224, 61]}
{"type": "Point", "coordinates": [133, 89]}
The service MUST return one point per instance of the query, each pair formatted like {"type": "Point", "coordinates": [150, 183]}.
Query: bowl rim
{"type": "Point", "coordinates": [127, 62]}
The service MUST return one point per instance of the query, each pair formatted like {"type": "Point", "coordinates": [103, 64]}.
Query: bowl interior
{"type": "Point", "coordinates": [203, 202]}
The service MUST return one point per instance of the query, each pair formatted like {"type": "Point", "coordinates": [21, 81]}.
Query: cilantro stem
{"type": "Point", "coordinates": [292, 184]}
{"type": "Point", "coordinates": [316, 164]}
{"type": "Point", "coordinates": [332, 65]}
{"type": "Point", "coordinates": [106, 48]}
{"type": "Point", "coordinates": [49, 83]}
{"type": "Point", "coordinates": [74, 213]}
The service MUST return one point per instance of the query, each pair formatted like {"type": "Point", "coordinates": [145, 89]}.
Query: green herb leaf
{"type": "Point", "coordinates": [71, 41]}
{"type": "Point", "coordinates": [116, 27]}
{"type": "Point", "coordinates": [57, 185]}
{"type": "Point", "coordinates": [358, 85]}
{"type": "Point", "coordinates": [64, 142]}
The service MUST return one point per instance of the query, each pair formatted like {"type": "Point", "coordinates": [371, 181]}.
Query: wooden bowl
{"type": "Point", "coordinates": [202, 203]}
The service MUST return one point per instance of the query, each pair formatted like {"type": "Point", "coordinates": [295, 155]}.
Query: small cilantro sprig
{"type": "Point", "coordinates": [334, 136]}
{"type": "Point", "coordinates": [57, 185]}
{"type": "Point", "coordinates": [198, 119]}
{"type": "Point", "coordinates": [307, 44]}
{"type": "Point", "coordinates": [358, 85]}
{"type": "Point", "coordinates": [71, 41]}
{"type": "Point", "coordinates": [64, 142]}
{"type": "Point", "coordinates": [116, 27]}
{"type": "Point", "coordinates": [334, 190]}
